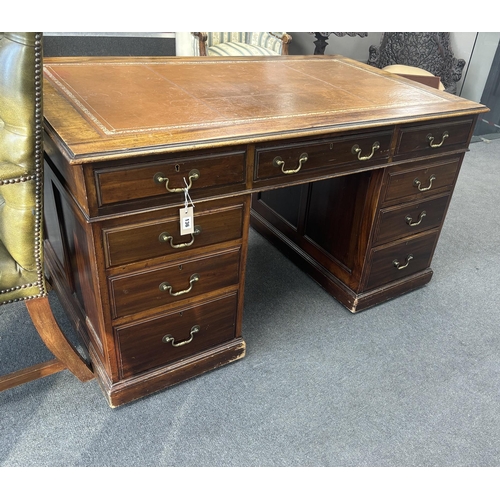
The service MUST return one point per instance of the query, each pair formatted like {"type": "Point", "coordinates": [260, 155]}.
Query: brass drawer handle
{"type": "Point", "coordinates": [165, 286]}
{"type": "Point", "coordinates": [430, 138]}
{"type": "Point", "coordinates": [418, 184]}
{"type": "Point", "coordinates": [410, 222]}
{"type": "Point", "coordinates": [164, 237]}
{"type": "Point", "coordinates": [357, 150]}
{"type": "Point", "coordinates": [159, 178]}
{"type": "Point", "coordinates": [169, 338]}
{"type": "Point", "coordinates": [279, 162]}
{"type": "Point", "coordinates": [399, 266]}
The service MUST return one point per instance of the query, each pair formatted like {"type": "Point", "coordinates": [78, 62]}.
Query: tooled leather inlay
{"type": "Point", "coordinates": [217, 93]}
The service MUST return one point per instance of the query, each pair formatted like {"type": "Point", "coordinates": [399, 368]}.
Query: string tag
{"type": "Point", "coordinates": [186, 214]}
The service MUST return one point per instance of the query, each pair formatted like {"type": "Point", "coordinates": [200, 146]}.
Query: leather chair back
{"type": "Point", "coordinates": [21, 167]}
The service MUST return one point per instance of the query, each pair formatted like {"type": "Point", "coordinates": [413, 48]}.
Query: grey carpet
{"type": "Point", "coordinates": [413, 382]}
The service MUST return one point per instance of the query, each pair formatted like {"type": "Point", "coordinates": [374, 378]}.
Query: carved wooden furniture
{"type": "Point", "coordinates": [321, 39]}
{"type": "Point", "coordinates": [240, 43]}
{"type": "Point", "coordinates": [21, 204]}
{"type": "Point", "coordinates": [367, 160]}
{"type": "Point", "coordinates": [431, 52]}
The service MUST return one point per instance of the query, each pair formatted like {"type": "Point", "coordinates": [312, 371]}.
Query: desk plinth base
{"type": "Point", "coordinates": [354, 302]}
{"type": "Point", "coordinates": [139, 386]}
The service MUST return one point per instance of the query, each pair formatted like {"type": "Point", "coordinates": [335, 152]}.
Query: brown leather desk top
{"type": "Point", "coordinates": [116, 107]}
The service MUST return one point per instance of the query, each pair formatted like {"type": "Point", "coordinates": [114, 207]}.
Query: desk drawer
{"type": "Point", "coordinates": [283, 159]}
{"type": "Point", "coordinates": [432, 137]}
{"type": "Point", "coordinates": [396, 261]}
{"type": "Point", "coordinates": [165, 339]}
{"type": "Point", "coordinates": [138, 242]}
{"type": "Point", "coordinates": [421, 181]}
{"type": "Point", "coordinates": [115, 185]}
{"type": "Point", "coordinates": [169, 284]}
{"type": "Point", "coordinates": [405, 220]}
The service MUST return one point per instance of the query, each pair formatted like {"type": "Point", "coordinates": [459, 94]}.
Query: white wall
{"type": "Point", "coordinates": [479, 65]}
{"type": "Point", "coordinates": [183, 43]}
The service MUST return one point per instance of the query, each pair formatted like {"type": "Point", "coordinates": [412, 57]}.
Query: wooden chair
{"type": "Point", "coordinates": [240, 44]}
{"type": "Point", "coordinates": [21, 204]}
{"type": "Point", "coordinates": [431, 52]}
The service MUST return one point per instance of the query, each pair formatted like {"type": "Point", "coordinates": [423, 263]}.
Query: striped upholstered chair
{"type": "Point", "coordinates": [241, 44]}
{"type": "Point", "coordinates": [21, 209]}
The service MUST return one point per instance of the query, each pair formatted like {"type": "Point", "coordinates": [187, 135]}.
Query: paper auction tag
{"type": "Point", "coordinates": [186, 215]}
{"type": "Point", "coordinates": [187, 220]}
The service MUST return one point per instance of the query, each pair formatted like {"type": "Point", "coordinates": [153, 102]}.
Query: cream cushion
{"type": "Point", "coordinates": [402, 69]}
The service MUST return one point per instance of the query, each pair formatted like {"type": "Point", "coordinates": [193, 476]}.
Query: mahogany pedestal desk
{"type": "Point", "coordinates": [367, 162]}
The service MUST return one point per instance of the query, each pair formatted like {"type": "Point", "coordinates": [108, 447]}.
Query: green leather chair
{"type": "Point", "coordinates": [240, 43]}
{"type": "Point", "coordinates": [21, 204]}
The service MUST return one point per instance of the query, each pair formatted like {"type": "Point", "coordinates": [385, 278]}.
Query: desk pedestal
{"type": "Point", "coordinates": [351, 235]}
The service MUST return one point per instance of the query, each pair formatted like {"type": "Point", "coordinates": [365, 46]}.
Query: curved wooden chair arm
{"type": "Point", "coordinates": [67, 357]}
{"type": "Point", "coordinates": [55, 340]}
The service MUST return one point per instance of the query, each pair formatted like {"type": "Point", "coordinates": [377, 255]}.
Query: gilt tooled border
{"type": "Point", "coordinates": [90, 116]}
